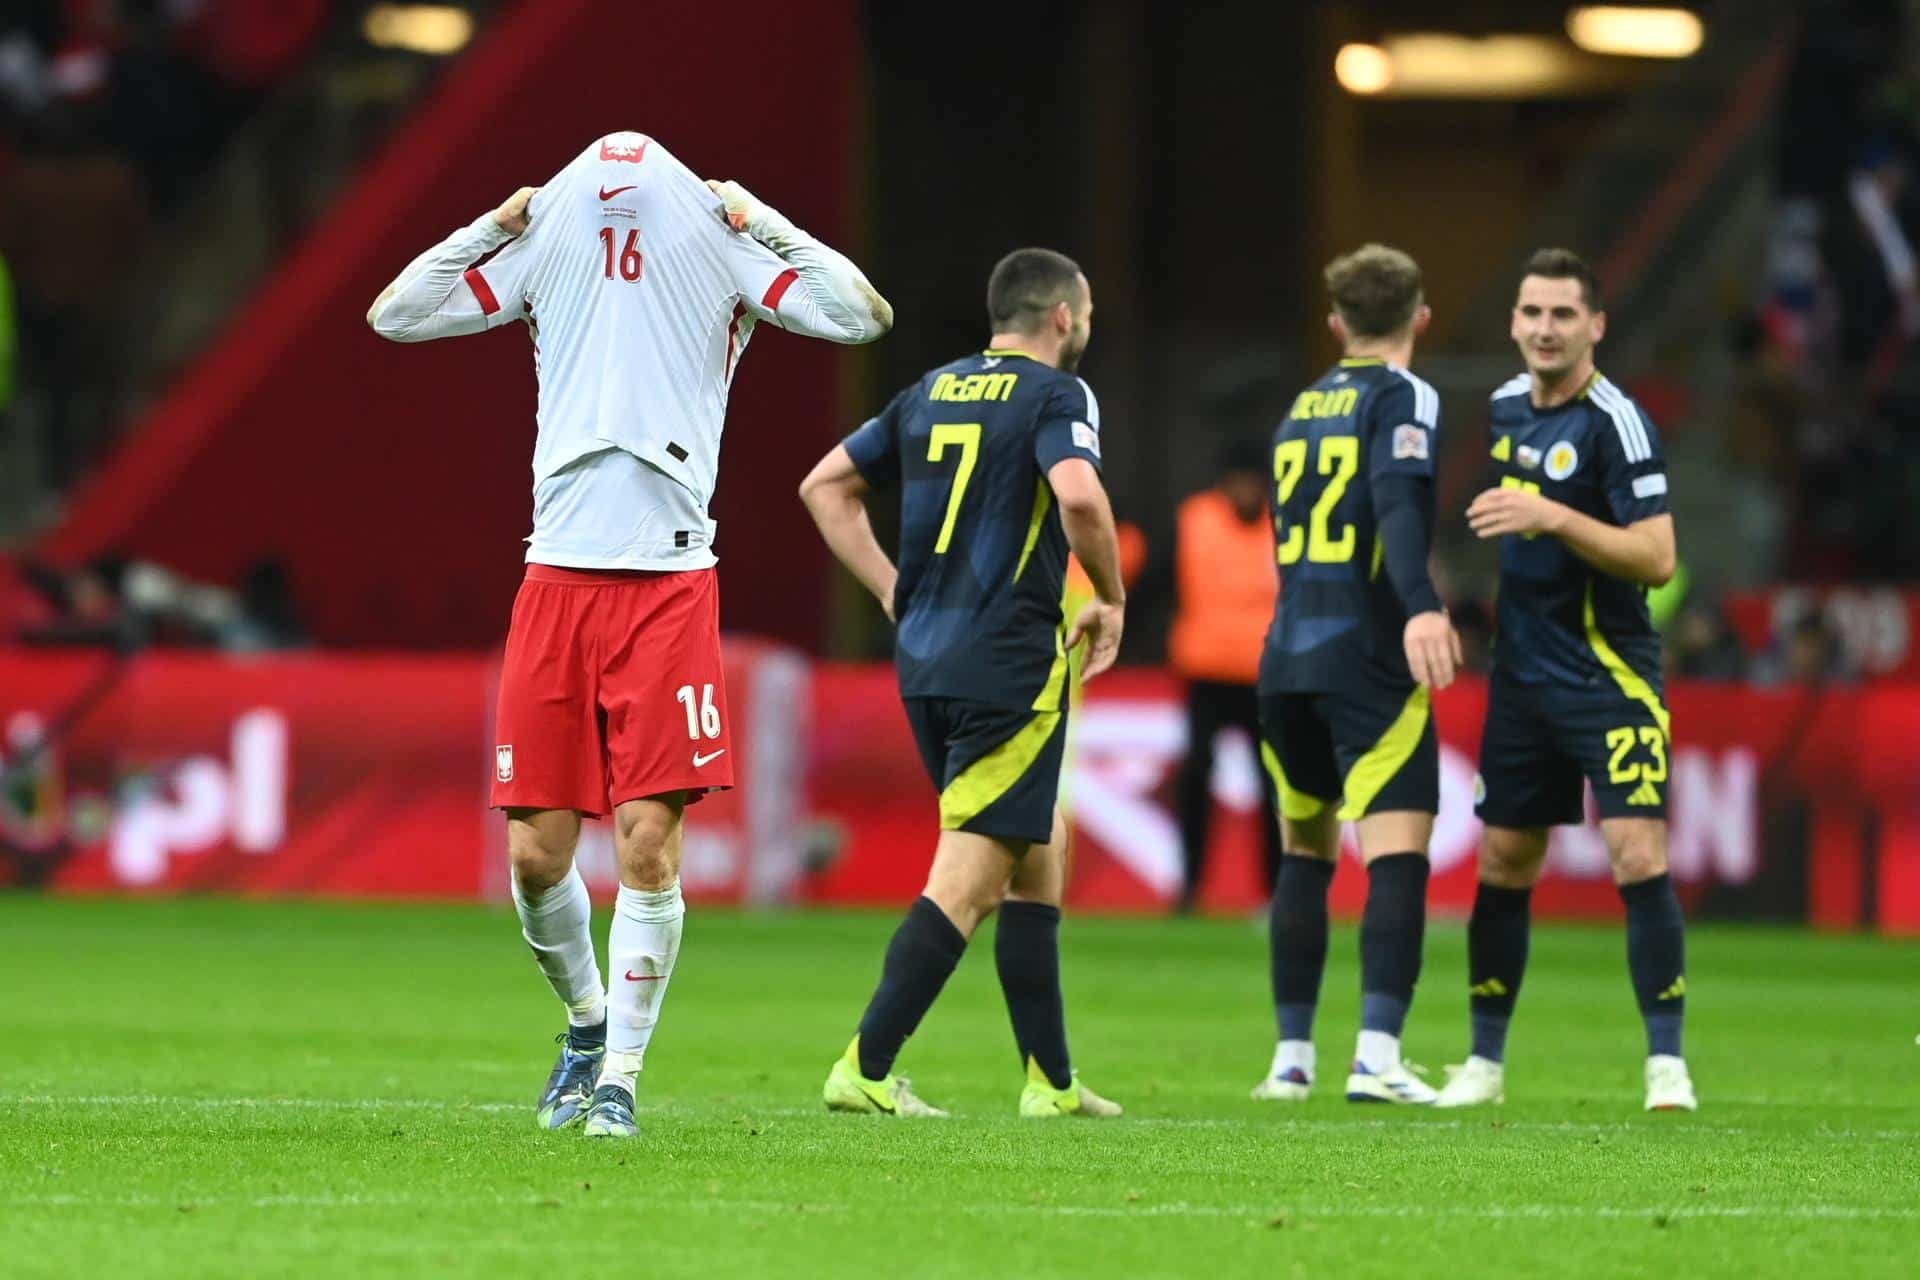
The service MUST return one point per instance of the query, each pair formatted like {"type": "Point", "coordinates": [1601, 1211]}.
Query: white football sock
{"type": "Point", "coordinates": [641, 949]}
{"type": "Point", "coordinates": [1377, 1051]}
{"type": "Point", "coordinates": [557, 925]}
{"type": "Point", "coordinates": [1293, 1053]}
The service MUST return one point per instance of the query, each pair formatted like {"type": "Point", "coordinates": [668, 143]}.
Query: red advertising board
{"type": "Point", "coordinates": [1876, 626]}
{"type": "Point", "coordinates": [368, 776]}
{"type": "Point", "coordinates": [333, 775]}
{"type": "Point", "coordinates": [1776, 797]}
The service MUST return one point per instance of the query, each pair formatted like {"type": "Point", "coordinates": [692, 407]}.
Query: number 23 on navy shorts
{"type": "Point", "coordinates": [612, 689]}
{"type": "Point", "coordinates": [1542, 739]}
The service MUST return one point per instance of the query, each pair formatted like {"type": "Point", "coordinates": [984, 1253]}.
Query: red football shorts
{"type": "Point", "coordinates": [611, 690]}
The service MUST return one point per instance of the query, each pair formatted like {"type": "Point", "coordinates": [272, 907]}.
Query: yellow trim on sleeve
{"type": "Point", "coordinates": [1295, 806]}
{"type": "Point", "coordinates": [1630, 681]}
{"type": "Point", "coordinates": [1388, 756]}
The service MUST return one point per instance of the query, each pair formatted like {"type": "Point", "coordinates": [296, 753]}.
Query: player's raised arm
{"type": "Point", "coordinates": [1087, 517]}
{"type": "Point", "coordinates": [819, 293]}
{"type": "Point", "coordinates": [435, 296]}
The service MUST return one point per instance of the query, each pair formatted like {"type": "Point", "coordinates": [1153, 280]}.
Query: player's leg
{"type": "Point", "coordinates": [1297, 751]}
{"type": "Point", "coordinates": [969, 878]}
{"type": "Point", "coordinates": [1526, 785]}
{"type": "Point", "coordinates": [1026, 953]}
{"type": "Point", "coordinates": [1498, 937]}
{"type": "Point", "coordinates": [999, 774]}
{"type": "Point", "coordinates": [1193, 783]}
{"type": "Point", "coordinates": [1656, 953]}
{"type": "Point", "coordinates": [668, 732]}
{"type": "Point", "coordinates": [548, 769]}
{"type": "Point", "coordinates": [1622, 744]}
{"type": "Point", "coordinates": [1243, 713]}
{"type": "Point", "coordinates": [555, 918]}
{"type": "Point", "coordinates": [1390, 757]}
{"type": "Point", "coordinates": [642, 944]}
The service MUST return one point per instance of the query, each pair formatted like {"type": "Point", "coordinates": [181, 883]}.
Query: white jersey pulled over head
{"type": "Point", "coordinates": [641, 300]}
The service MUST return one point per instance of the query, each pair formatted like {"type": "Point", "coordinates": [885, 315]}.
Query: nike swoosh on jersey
{"type": "Point", "coordinates": [608, 195]}
{"type": "Point", "coordinates": [701, 762]}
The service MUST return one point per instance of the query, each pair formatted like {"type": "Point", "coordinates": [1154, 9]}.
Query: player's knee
{"type": "Point", "coordinates": [538, 862]}
{"type": "Point", "coordinates": [1510, 863]}
{"type": "Point", "coordinates": [1637, 860]}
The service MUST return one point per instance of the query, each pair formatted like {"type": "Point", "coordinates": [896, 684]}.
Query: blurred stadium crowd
{"type": "Point", "coordinates": [112, 110]}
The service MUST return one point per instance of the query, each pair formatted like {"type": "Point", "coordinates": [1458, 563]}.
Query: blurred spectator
{"type": "Point", "coordinates": [267, 619]}
{"type": "Point", "coordinates": [1805, 652]}
{"type": "Point", "coordinates": [1226, 587]}
{"type": "Point", "coordinates": [86, 607]}
{"type": "Point", "coordinates": [133, 603]}
{"type": "Point", "coordinates": [1701, 644]}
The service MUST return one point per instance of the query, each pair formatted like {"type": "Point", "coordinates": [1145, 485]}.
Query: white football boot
{"type": "Point", "coordinates": [1290, 1078]}
{"type": "Point", "coordinates": [1669, 1087]}
{"type": "Point", "coordinates": [1476, 1082]}
{"type": "Point", "coordinates": [1397, 1083]}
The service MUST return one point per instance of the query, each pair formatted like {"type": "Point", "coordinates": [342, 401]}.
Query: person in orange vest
{"type": "Point", "coordinates": [1225, 587]}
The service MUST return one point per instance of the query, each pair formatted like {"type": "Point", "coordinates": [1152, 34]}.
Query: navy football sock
{"type": "Point", "coordinates": [1497, 936]}
{"type": "Point", "coordinates": [1298, 941]}
{"type": "Point", "coordinates": [1393, 931]}
{"type": "Point", "coordinates": [922, 956]}
{"type": "Point", "coordinates": [1026, 950]}
{"type": "Point", "coordinates": [1657, 959]}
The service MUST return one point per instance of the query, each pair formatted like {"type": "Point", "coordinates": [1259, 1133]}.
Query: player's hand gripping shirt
{"type": "Point", "coordinates": [983, 555]}
{"type": "Point", "coordinates": [641, 300]}
{"type": "Point", "coordinates": [1356, 451]}
{"type": "Point", "coordinates": [1560, 620]}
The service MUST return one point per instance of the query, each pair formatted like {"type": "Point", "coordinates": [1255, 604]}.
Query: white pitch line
{"type": "Point", "coordinates": [1255, 1123]}
{"type": "Point", "coordinates": [248, 1104]}
{"type": "Point", "coordinates": [1172, 1209]}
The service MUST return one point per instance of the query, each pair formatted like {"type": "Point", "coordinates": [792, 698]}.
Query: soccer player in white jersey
{"type": "Point", "coordinates": [641, 286]}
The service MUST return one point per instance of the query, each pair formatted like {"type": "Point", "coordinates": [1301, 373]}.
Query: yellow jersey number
{"type": "Point", "coordinates": [967, 436]}
{"type": "Point", "coordinates": [1339, 460]}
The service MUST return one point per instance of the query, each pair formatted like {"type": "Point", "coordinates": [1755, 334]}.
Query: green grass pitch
{"type": "Point", "coordinates": [204, 1088]}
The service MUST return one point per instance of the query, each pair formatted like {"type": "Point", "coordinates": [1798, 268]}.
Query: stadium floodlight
{"type": "Point", "coordinates": [1633, 32]}
{"type": "Point", "coordinates": [418, 28]}
{"type": "Point", "coordinates": [1363, 68]}
{"type": "Point", "coordinates": [1443, 64]}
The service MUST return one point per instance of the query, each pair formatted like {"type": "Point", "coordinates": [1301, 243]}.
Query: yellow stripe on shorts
{"type": "Point", "coordinates": [1388, 756]}
{"type": "Point", "coordinates": [1295, 806]}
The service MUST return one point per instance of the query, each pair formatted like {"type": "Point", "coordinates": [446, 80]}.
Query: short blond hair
{"type": "Point", "coordinates": [1375, 290]}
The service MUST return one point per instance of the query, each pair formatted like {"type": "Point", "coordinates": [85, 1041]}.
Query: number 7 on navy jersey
{"type": "Point", "coordinates": [967, 436]}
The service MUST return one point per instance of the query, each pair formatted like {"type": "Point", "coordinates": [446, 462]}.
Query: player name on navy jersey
{"type": "Point", "coordinates": [1562, 621]}
{"type": "Point", "coordinates": [983, 556]}
{"type": "Point", "coordinates": [1339, 618]}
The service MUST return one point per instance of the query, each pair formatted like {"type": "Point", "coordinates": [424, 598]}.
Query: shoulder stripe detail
{"type": "Point", "coordinates": [1626, 420]}
{"type": "Point", "coordinates": [1093, 405]}
{"type": "Point", "coordinates": [1513, 386]}
{"type": "Point", "coordinates": [1426, 401]}
{"type": "Point", "coordinates": [482, 290]}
